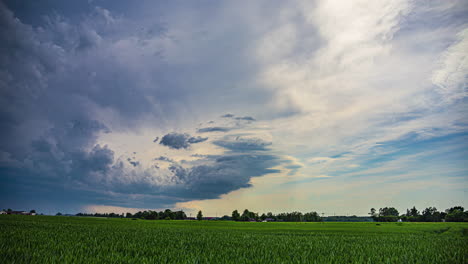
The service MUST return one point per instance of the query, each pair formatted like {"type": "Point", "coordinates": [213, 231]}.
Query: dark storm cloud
{"type": "Point", "coordinates": [180, 140]}
{"type": "Point", "coordinates": [224, 174]}
{"type": "Point", "coordinates": [53, 83]}
{"type": "Point", "coordinates": [67, 80]}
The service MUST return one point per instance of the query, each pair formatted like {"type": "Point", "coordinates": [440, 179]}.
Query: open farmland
{"type": "Point", "coordinates": [51, 239]}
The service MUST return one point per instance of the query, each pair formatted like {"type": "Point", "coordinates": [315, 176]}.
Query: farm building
{"type": "Point", "coordinates": [19, 213]}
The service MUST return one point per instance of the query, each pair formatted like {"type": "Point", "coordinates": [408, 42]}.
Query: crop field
{"type": "Point", "coordinates": [52, 239]}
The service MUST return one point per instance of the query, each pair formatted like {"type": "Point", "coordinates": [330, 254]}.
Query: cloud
{"type": "Point", "coordinates": [221, 174]}
{"type": "Point", "coordinates": [214, 129]}
{"type": "Point", "coordinates": [246, 118]}
{"type": "Point", "coordinates": [180, 141]}
{"type": "Point", "coordinates": [243, 144]}
{"type": "Point", "coordinates": [83, 86]}
{"type": "Point", "coordinates": [163, 158]}
{"type": "Point", "coordinates": [193, 140]}
{"type": "Point", "coordinates": [452, 76]}
{"type": "Point", "coordinates": [133, 163]}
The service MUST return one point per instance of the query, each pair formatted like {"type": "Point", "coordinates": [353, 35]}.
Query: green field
{"type": "Point", "coordinates": [51, 239]}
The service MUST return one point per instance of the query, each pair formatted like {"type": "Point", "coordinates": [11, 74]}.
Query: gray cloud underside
{"type": "Point", "coordinates": [239, 144]}
{"type": "Point", "coordinates": [57, 81]}
{"type": "Point", "coordinates": [214, 129]}
{"type": "Point", "coordinates": [180, 140]}
{"type": "Point", "coordinates": [245, 118]}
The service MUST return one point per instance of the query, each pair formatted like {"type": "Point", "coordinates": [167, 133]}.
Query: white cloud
{"type": "Point", "coordinates": [452, 76]}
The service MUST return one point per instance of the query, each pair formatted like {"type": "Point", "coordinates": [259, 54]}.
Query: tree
{"type": "Point", "coordinates": [459, 208]}
{"type": "Point", "coordinates": [270, 215]}
{"type": "Point", "coordinates": [199, 215]}
{"type": "Point", "coordinates": [247, 215]}
{"type": "Point", "coordinates": [32, 211]}
{"type": "Point", "coordinates": [235, 215]}
{"type": "Point", "coordinates": [180, 215]}
{"type": "Point", "coordinates": [388, 211]}
{"type": "Point", "coordinates": [412, 212]}
{"type": "Point", "coordinates": [129, 215]}
{"type": "Point", "coordinates": [455, 216]}
{"type": "Point", "coordinates": [225, 217]}
{"type": "Point", "coordinates": [373, 213]}
{"type": "Point", "coordinates": [59, 213]}
{"type": "Point", "coordinates": [431, 214]}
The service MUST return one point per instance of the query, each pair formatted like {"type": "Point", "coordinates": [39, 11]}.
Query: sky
{"type": "Point", "coordinates": [274, 106]}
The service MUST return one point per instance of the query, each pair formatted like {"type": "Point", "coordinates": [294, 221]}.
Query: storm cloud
{"type": "Point", "coordinates": [180, 140]}
{"type": "Point", "coordinates": [85, 84]}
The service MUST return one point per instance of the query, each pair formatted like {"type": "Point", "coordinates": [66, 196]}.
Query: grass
{"type": "Point", "coordinates": [51, 239]}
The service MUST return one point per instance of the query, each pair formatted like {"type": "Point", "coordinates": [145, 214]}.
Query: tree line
{"type": "Point", "coordinates": [283, 217]}
{"type": "Point", "coordinates": [148, 215]}
{"type": "Point", "coordinates": [386, 214]}
{"type": "Point", "coordinates": [430, 214]}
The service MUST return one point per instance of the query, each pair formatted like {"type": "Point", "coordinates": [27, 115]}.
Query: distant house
{"type": "Point", "coordinates": [16, 212]}
{"type": "Point", "coordinates": [3, 212]}
{"type": "Point", "coordinates": [268, 220]}
{"type": "Point", "coordinates": [20, 213]}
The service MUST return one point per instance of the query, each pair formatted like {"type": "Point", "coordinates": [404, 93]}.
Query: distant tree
{"type": "Point", "coordinates": [412, 212]}
{"type": "Point", "coordinates": [312, 217]}
{"type": "Point", "coordinates": [153, 215]}
{"type": "Point", "coordinates": [169, 213]}
{"type": "Point", "coordinates": [59, 213]}
{"type": "Point", "coordinates": [235, 215]}
{"type": "Point", "coordinates": [459, 208]}
{"type": "Point", "coordinates": [247, 215]}
{"type": "Point", "coordinates": [180, 215]}
{"type": "Point", "coordinates": [455, 216]}
{"type": "Point", "coordinates": [386, 214]}
{"type": "Point", "coordinates": [200, 215]}
{"type": "Point", "coordinates": [270, 215]}
{"type": "Point", "coordinates": [263, 217]}
{"type": "Point", "coordinates": [373, 213]}
{"type": "Point", "coordinates": [128, 215]}
{"type": "Point", "coordinates": [388, 211]}
{"type": "Point", "coordinates": [431, 214]}
{"type": "Point", "coordinates": [33, 211]}
{"type": "Point", "coordinates": [226, 217]}
{"type": "Point", "coordinates": [9, 210]}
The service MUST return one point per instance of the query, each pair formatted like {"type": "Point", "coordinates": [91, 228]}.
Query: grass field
{"type": "Point", "coordinates": [51, 239]}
